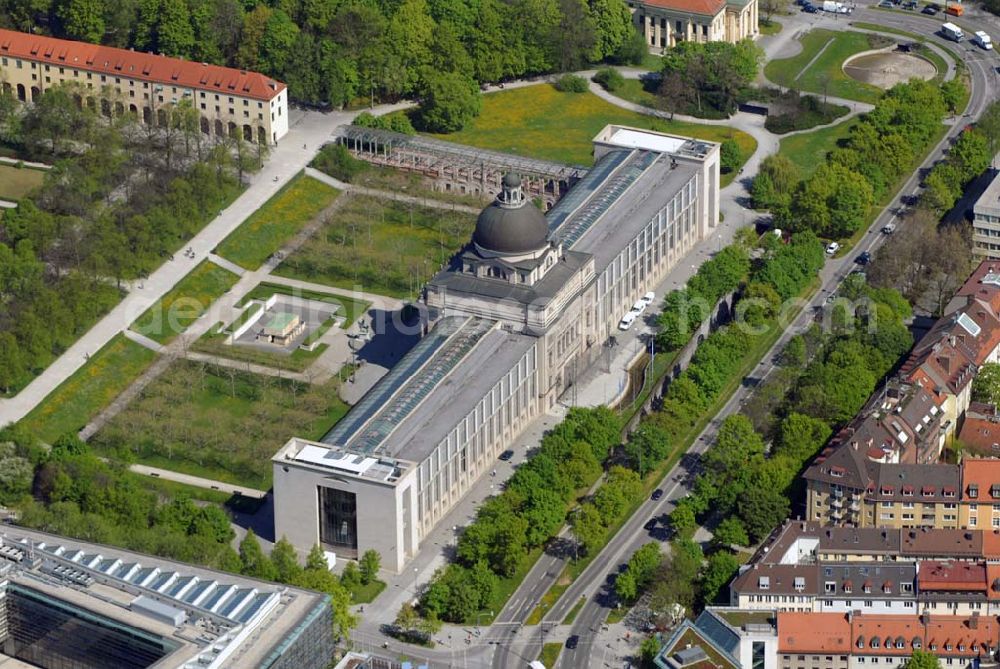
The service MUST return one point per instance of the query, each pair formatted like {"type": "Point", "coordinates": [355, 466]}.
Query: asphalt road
{"type": "Point", "coordinates": [594, 583]}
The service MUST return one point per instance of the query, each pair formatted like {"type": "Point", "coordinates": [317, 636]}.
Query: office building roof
{"type": "Point", "coordinates": [702, 7]}
{"type": "Point", "coordinates": [153, 68]}
{"type": "Point", "coordinates": [213, 618]}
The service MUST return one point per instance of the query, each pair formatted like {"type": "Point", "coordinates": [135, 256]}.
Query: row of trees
{"type": "Point", "coordinates": [748, 485]}
{"type": "Point", "coordinates": [120, 198]}
{"type": "Point", "coordinates": [685, 309]}
{"type": "Point", "coordinates": [968, 157]}
{"type": "Point", "coordinates": [834, 201]}
{"type": "Point", "coordinates": [530, 511]}
{"type": "Point", "coordinates": [333, 51]}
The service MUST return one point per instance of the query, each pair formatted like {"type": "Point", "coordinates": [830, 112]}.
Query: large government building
{"type": "Point", "coordinates": [231, 102]}
{"type": "Point", "coordinates": [522, 310]}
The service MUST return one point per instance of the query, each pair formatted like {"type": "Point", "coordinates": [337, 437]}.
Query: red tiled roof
{"type": "Point", "coordinates": [983, 474]}
{"type": "Point", "coordinates": [813, 632]}
{"type": "Point", "coordinates": [138, 65]}
{"type": "Point", "coordinates": [947, 636]}
{"type": "Point", "coordinates": [703, 7]}
{"type": "Point", "coordinates": [981, 433]}
{"type": "Point", "coordinates": [951, 576]}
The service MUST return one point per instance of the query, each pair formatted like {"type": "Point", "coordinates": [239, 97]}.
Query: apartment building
{"type": "Point", "coordinates": [230, 102]}
{"type": "Point", "coordinates": [986, 221]}
{"type": "Point", "coordinates": [863, 641]}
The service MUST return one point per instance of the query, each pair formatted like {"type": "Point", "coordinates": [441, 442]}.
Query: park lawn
{"type": "Point", "coordinates": [363, 594]}
{"type": "Point", "coordinates": [83, 395]}
{"type": "Point", "coordinates": [380, 246]}
{"type": "Point", "coordinates": [185, 303]}
{"type": "Point", "coordinates": [634, 90]}
{"type": "Point", "coordinates": [550, 653]}
{"type": "Point", "coordinates": [218, 423]}
{"type": "Point", "coordinates": [270, 227]}
{"type": "Point", "coordinates": [541, 122]}
{"type": "Point", "coordinates": [16, 182]}
{"type": "Point", "coordinates": [808, 149]}
{"type": "Point", "coordinates": [826, 74]}
{"type": "Point", "coordinates": [772, 28]}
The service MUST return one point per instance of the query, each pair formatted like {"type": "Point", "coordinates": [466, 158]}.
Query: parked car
{"type": "Point", "coordinates": [650, 524]}
{"type": "Point", "coordinates": [864, 258]}
{"type": "Point", "coordinates": [649, 298]}
{"type": "Point", "coordinates": [507, 455]}
{"type": "Point", "coordinates": [887, 4]}
{"type": "Point", "coordinates": [809, 9]}
{"type": "Point", "coordinates": [889, 228]}
{"type": "Point", "coordinates": [639, 307]}
{"type": "Point", "coordinates": [930, 10]}
{"type": "Point", "coordinates": [572, 641]}
{"type": "Point", "coordinates": [910, 4]}
{"type": "Point", "coordinates": [657, 494]}
{"type": "Point", "coordinates": [832, 248]}
{"type": "Point", "coordinates": [627, 320]}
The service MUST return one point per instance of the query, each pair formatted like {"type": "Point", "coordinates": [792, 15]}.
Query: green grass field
{"type": "Point", "coordinates": [379, 246]}
{"type": "Point", "coordinates": [185, 303]}
{"type": "Point", "coordinates": [808, 149]}
{"type": "Point", "coordinates": [541, 122]}
{"type": "Point", "coordinates": [550, 654]}
{"type": "Point", "coordinates": [16, 182]}
{"type": "Point", "coordinates": [826, 74]}
{"type": "Point", "coordinates": [772, 28]}
{"type": "Point", "coordinates": [218, 423]}
{"type": "Point", "coordinates": [91, 388]}
{"type": "Point", "coordinates": [271, 226]}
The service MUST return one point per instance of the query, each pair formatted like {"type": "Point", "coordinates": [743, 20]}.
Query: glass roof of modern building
{"type": "Point", "coordinates": [600, 194]}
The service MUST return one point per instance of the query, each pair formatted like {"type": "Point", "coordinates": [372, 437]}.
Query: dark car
{"type": "Point", "coordinates": [930, 10]}
{"type": "Point", "coordinates": [657, 494]}
{"type": "Point", "coordinates": [507, 455]}
{"type": "Point", "coordinates": [572, 642]}
{"type": "Point", "coordinates": [910, 4]}
{"type": "Point", "coordinates": [810, 9]}
{"type": "Point", "coordinates": [650, 525]}
{"type": "Point", "coordinates": [864, 258]}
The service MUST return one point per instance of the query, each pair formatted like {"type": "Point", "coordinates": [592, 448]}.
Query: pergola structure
{"type": "Point", "coordinates": [458, 168]}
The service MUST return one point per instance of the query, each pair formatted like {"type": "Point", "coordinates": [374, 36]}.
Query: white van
{"type": "Point", "coordinates": [627, 320]}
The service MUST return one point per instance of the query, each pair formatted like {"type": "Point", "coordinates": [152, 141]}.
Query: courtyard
{"type": "Point", "coordinates": [218, 422]}
{"type": "Point", "coordinates": [380, 246]}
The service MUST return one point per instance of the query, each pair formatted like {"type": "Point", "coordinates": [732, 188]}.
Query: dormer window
{"type": "Point", "coordinates": [867, 587]}
{"type": "Point", "coordinates": [949, 492]}
{"type": "Point", "coordinates": [907, 491]}
{"type": "Point", "coordinates": [800, 583]}
{"type": "Point", "coordinates": [875, 642]}
{"type": "Point", "coordinates": [848, 587]}
{"type": "Point", "coordinates": [887, 490]}
{"type": "Point", "coordinates": [995, 491]}
{"type": "Point", "coordinates": [764, 583]}
{"type": "Point", "coordinates": [973, 491]}
{"type": "Point", "coordinates": [928, 491]}
{"type": "Point", "coordinates": [887, 588]}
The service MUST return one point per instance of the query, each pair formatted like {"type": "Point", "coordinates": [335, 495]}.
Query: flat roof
{"type": "Point", "coordinates": [654, 141]}
{"type": "Point", "coordinates": [281, 320]}
{"type": "Point", "coordinates": [109, 580]}
{"type": "Point", "coordinates": [629, 210]}
{"type": "Point", "coordinates": [991, 195]}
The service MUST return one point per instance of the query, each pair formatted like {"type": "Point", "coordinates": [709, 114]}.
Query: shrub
{"type": "Point", "coordinates": [337, 161]}
{"type": "Point", "coordinates": [609, 78]}
{"type": "Point", "coordinates": [571, 83]}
